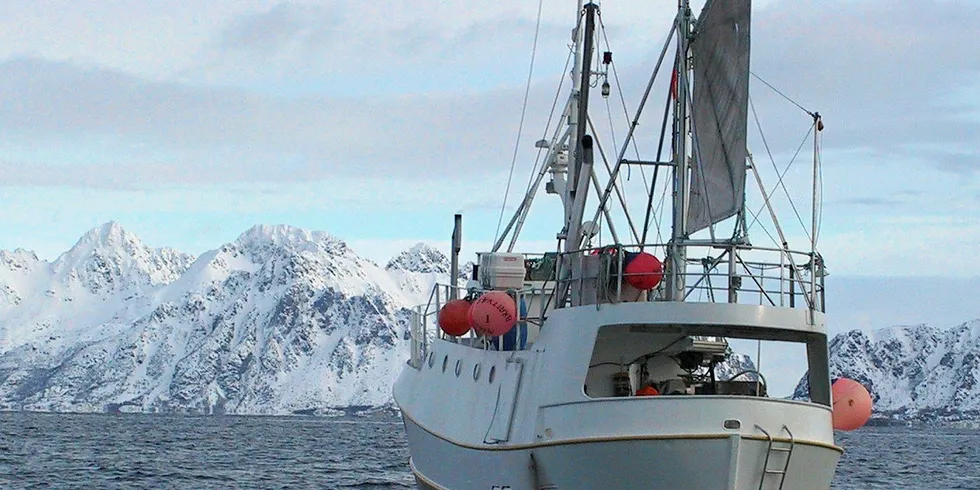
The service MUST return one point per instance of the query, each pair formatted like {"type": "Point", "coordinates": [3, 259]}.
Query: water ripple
{"type": "Point", "coordinates": [178, 452]}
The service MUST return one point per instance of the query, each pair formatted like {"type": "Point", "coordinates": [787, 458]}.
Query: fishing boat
{"type": "Point", "coordinates": [600, 364]}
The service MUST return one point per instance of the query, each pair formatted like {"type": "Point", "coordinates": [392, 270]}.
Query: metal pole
{"type": "Point", "coordinates": [573, 117]}
{"type": "Point", "coordinates": [676, 260]}
{"type": "Point", "coordinates": [454, 257]}
{"type": "Point", "coordinates": [518, 220]}
{"type": "Point", "coordinates": [636, 121]}
{"type": "Point", "coordinates": [817, 127]}
{"type": "Point", "coordinates": [581, 170]}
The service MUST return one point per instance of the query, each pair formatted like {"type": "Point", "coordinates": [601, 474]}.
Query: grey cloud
{"type": "Point", "coordinates": [960, 163]}
{"type": "Point", "coordinates": [881, 72]}
{"type": "Point", "coordinates": [348, 40]}
{"type": "Point", "coordinates": [871, 201]}
{"type": "Point", "coordinates": [266, 31]}
{"type": "Point", "coordinates": [227, 134]}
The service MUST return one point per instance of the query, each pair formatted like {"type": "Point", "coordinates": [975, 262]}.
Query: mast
{"type": "Point", "coordinates": [581, 172]}
{"type": "Point", "coordinates": [676, 264]}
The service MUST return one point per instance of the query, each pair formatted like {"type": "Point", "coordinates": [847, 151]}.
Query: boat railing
{"type": "Point", "coordinates": [726, 273]}
{"type": "Point", "coordinates": [714, 273]}
{"type": "Point", "coordinates": [532, 301]}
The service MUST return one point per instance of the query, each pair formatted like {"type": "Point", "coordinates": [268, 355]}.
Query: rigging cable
{"type": "Point", "coordinates": [551, 117]}
{"type": "Point", "coordinates": [774, 89]}
{"type": "Point", "coordinates": [656, 171]}
{"type": "Point", "coordinates": [648, 187]}
{"type": "Point", "coordinates": [622, 98]}
{"type": "Point", "coordinates": [780, 182]}
{"type": "Point", "coordinates": [520, 127]}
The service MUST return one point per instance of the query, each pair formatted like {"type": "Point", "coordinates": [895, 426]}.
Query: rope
{"type": "Point", "coordinates": [779, 183]}
{"type": "Point", "coordinates": [774, 89]}
{"type": "Point", "coordinates": [520, 126]}
{"type": "Point", "coordinates": [622, 98]}
{"type": "Point", "coordinates": [551, 117]}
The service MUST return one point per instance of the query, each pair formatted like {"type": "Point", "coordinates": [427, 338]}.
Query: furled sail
{"type": "Point", "coordinates": [721, 93]}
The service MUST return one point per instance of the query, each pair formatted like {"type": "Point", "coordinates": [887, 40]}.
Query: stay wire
{"type": "Point", "coordinates": [622, 98]}
{"type": "Point", "coordinates": [779, 183]}
{"type": "Point", "coordinates": [774, 89]}
{"type": "Point", "coordinates": [520, 126]}
{"type": "Point", "coordinates": [551, 117]}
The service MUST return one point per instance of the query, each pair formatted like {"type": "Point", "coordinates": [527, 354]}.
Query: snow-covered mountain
{"type": "Point", "coordinates": [280, 320]}
{"type": "Point", "coordinates": [918, 373]}
{"type": "Point", "coordinates": [284, 320]}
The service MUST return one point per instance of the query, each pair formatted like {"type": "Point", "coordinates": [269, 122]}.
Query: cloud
{"type": "Point", "coordinates": [436, 93]}
{"type": "Point", "coordinates": [871, 201]}
{"type": "Point", "coordinates": [244, 134]}
{"type": "Point", "coordinates": [881, 72]}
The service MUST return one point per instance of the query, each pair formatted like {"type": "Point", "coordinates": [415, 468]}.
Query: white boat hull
{"type": "Point", "coordinates": [701, 462]}
{"type": "Point", "coordinates": [487, 419]}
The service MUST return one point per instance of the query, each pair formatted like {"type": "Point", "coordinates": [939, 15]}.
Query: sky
{"type": "Point", "coordinates": [189, 122]}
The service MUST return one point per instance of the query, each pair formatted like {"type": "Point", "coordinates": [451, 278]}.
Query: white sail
{"type": "Point", "coordinates": [720, 100]}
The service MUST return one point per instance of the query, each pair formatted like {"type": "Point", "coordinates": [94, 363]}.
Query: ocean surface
{"type": "Point", "coordinates": [159, 451]}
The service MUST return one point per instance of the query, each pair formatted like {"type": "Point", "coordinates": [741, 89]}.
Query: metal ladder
{"type": "Point", "coordinates": [781, 473]}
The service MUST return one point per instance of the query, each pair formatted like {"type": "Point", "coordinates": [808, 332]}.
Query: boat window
{"type": "Point", "coordinates": [651, 361]}
{"type": "Point", "coordinates": [476, 372]}
{"type": "Point", "coordinates": [459, 367]}
{"type": "Point", "coordinates": [445, 362]}
{"type": "Point", "coordinates": [492, 375]}
{"type": "Point", "coordinates": [432, 357]}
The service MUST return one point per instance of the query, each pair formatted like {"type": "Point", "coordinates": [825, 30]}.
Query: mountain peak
{"type": "Point", "coordinates": [104, 256]}
{"type": "Point", "coordinates": [108, 238]}
{"type": "Point", "coordinates": [420, 258]}
{"type": "Point", "coordinates": [290, 237]}
{"type": "Point", "coordinates": [110, 234]}
{"type": "Point", "coordinates": [913, 372]}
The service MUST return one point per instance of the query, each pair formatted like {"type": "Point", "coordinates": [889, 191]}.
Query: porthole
{"type": "Point", "coordinates": [432, 359]}
{"type": "Point", "coordinates": [459, 367]}
{"type": "Point", "coordinates": [732, 424]}
{"type": "Point", "coordinates": [476, 372]}
{"type": "Point", "coordinates": [493, 374]}
{"type": "Point", "coordinates": [445, 363]}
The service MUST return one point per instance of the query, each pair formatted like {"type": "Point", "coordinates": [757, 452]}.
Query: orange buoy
{"type": "Point", "coordinates": [644, 271]}
{"type": "Point", "coordinates": [647, 390]}
{"type": "Point", "coordinates": [454, 317]}
{"type": "Point", "coordinates": [852, 404]}
{"type": "Point", "coordinates": [494, 313]}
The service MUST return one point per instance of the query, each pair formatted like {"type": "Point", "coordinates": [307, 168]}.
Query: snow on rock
{"type": "Point", "coordinates": [281, 320]}
{"type": "Point", "coordinates": [421, 258]}
{"type": "Point", "coordinates": [736, 364]}
{"type": "Point", "coordinates": [918, 372]}
{"type": "Point", "coordinates": [285, 320]}
{"type": "Point", "coordinates": [109, 258]}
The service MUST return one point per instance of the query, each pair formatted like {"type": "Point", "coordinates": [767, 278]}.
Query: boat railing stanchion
{"type": "Point", "coordinates": [732, 293]}
{"type": "Point", "coordinates": [622, 275]}
{"type": "Point", "coordinates": [782, 277]}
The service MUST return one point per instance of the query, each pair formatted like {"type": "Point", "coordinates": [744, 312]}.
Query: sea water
{"type": "Point", "coordinates": [185, 452]}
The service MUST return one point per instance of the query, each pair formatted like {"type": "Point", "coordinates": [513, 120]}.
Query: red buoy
{"type": "Point", "coordinates": [644, 272]}
{"type": "Point", "coordinates": [852, 404]}
{"type": "Point", "coordinates": [454, 317]}
{"type": "Point", "coordinates": [494, 313]}
{"type": "Point", "coordinates": [647, 390]}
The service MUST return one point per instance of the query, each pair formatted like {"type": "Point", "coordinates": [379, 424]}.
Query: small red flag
{"type": "Point", "coordinates": [673, 83]}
